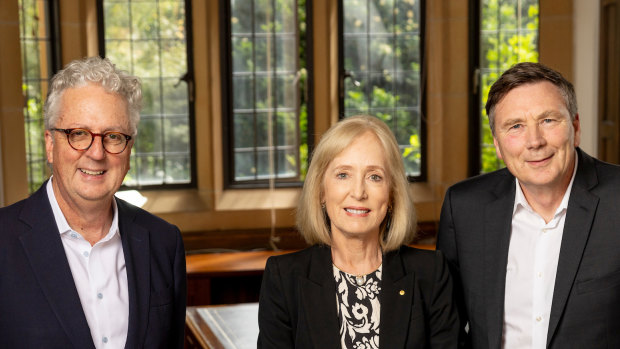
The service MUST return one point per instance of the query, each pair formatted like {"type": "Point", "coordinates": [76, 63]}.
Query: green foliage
{"type": "Point", "coordinates": [382, 55]}
{"type": "Point", "coordinates": [507, 37]}
{"type": "Point", "coordinates": [269, 80]}
{"type": "Point", "coordinates": [35, 72]}
{"type": "Point", "coordinates": [149, 41]}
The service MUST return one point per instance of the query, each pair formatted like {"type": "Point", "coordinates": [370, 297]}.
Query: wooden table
{"type": "Point", "coordinates": [225, 278]}
{"type": "Point", "coordinates": [222, 326]}
{"type": "Point", "coordinates": [229, 263]}
{"type": "Point", "coordinates": [229, 277]}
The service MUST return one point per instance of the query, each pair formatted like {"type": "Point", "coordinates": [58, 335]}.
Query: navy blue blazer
{"type": "Point", "coordinates": [297, 307]}
{"type": "Point", "coordinates": [39, 303]}
{"type": "Point", "coordinates": [474, 234]}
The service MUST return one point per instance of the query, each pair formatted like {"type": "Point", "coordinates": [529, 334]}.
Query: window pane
{"type": "Point", "coordinates": [117, 20]}
{"type": "Point", "coordinates": [268, 117]}
{"type": "Point", "coordinates": [148, 38]}
{"type": "Point", "coordinates": [37, 68]}
{"type": "Point", "coordinates": [508, 35]}
{"type": "Point", "coordinates": [149, 140]}
{"type": "Point", "coordinates": [381, 56]}
{"type": "Point", "coordinates": [177, 168]}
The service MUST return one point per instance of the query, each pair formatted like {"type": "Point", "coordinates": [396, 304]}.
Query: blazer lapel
{"type": "Point", "coordinates": [579, 217]}
{"type": "Point", "coordinates": [47, 257]}
{"type": "Point", "coordinates": [497, 223]}
{"type": "Point", "coordinates": [395, 304]}
{"type": "Point", "coordinates": [135, 240]}
{"type": "Point", "coordinates": [318, 300]}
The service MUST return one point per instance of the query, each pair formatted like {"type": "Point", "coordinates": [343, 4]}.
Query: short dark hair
{"type": "Point", "coordinates": [529, 73]}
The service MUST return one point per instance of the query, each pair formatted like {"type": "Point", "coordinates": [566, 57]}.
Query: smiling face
{"type": "Point", "coordinates": [356, 189]}
{"type": "Point", "coordinates": [535, 136]}
{"type": "Point", "coordinates": [91, 175]}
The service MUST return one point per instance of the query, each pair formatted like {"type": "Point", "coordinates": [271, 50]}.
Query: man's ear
{"type": "Point", "coordinates": [499, 154]}
{"type": "Point", "coordinates": [49, 146]}
{"type": "Point", "coordinates": [577, 130]}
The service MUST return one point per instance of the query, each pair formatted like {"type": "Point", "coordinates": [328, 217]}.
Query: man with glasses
{"type": "Point", "coordinates": [78, 267]}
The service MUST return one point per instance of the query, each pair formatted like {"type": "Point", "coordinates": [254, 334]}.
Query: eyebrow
{"type": "Point", "coordinates": [371, 167]}
{"type": "Point", "coordinates": [512, 121]}
{"type": "Point", "coordinates": [542, 115]}
{"type": "Point", "coordinates": [548, 113]}
{"type": "Point", "coordinates": [116, 128]}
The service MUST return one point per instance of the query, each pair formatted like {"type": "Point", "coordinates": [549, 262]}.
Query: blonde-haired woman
{"type": "Point", "coordinates": [358, 286]}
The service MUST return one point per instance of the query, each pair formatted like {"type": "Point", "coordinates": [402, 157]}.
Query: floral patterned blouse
{"type": "Point", "coordinates": [357, 298]}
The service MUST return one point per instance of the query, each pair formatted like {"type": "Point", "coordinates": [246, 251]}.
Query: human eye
{"type": "Point", "coordinates": [78, 133]}
{"type": "Point", "coordinates": [113, 136]}
{"type": "Point", "coordinates": [375, 177]}
{"type": "Point", "coordinates": [341, 175]}
{"type": "Point", "coordinates": [515, 127]}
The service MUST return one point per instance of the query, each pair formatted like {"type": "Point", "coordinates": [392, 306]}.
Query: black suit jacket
{"type": "Point", "coordinates": [39, 303]}
{"type": "Point", "coordinates": [297, 307]}
{"type": "Point", "coordinates": [474, 234]}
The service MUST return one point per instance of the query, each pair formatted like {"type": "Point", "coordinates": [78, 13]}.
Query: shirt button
{"type": "Point", "coordinates": [539, 274]}
{"type": "Point", "coordinates": [105, 339]}
{"type": "Point", "coordinates": [539, 318]}
{"type": "Point", "coordinates": [544, 230]}
{"type": "Point", "coordinates": [100, 295]}
{"type": "Point", "coordinates": [74, 235]}
{"type": "Point", "coordinates": [85, 253]}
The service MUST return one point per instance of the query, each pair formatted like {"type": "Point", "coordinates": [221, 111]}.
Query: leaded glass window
{"type": "Point", "coordinates": [149, 38]}
{"type": "Point", "coordinates": [38, 56]}
{"type": "Point", "coordinates": [266, 95]}
{"type": "Point", "coordinates": [382, 69]}
{"type": "Point", "coordinates": [508, 35]}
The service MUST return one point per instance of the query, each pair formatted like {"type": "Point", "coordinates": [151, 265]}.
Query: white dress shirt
{"type": "Point", "coordinates": [100, 278]}
{"type": "Point", "coordinates": [530, 275]}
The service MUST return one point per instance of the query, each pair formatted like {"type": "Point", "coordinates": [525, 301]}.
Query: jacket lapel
{"type": "Point", "coordinates": [318, 300]}
{"type": "Point", "coordinates": [135, 240]}
{"type": "Point", "coordinates": [395, 304]}
{"type": "Point", "coordinates": [497, 226]}
{"type": "Point", "coordinates": [47, 257]}
{"type": "Point", "coordinates": [579, 217]}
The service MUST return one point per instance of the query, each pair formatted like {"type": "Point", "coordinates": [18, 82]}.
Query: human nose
{"type": "Point", "coordinates": [96, 150]}
{"type": "Point", "coordinates": [535, 137]}
{"type": "Point", "coordinates": [359, 189]}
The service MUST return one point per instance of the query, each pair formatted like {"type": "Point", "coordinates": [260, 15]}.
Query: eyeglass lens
{"type": "Point", "coordinates": [113, 142]}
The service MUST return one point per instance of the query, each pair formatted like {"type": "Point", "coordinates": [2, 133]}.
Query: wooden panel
{"type": "Point", "coordinates": [13, 176]}
{"type": "Point", "coordinates": [609, 82]}
{"type": "Point", "coordinates": [224, 278]}
{"type": "Point", "coordinates": [230, 277]}
{"type": "Point", "coordinates": [287, 239]}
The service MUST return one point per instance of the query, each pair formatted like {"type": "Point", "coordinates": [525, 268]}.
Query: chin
{"type": "Point", "coordinates": [97, 195]}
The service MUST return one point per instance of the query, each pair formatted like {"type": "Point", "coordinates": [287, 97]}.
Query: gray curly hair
{"type": "Point", "coordinates": [99, 71]}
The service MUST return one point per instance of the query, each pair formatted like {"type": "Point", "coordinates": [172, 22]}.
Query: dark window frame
{"type": "Point", "coordinates": [53, 35]}
{"type": "Point", "coordinates": [227, 103]}
{"type": "Point", "coordinates": [423, 86]}
{"type": "Point", "coordinates": [474, 162]}
{"type": "Point", "coordinates": [475, 80]}
{"type": "Point", "coordinates": [189, 78]}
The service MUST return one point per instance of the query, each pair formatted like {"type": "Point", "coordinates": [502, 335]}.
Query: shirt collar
{"type": "Point", "coordinates": [61, 221]}
{"type": "Point", "coordinates": [520, 200]}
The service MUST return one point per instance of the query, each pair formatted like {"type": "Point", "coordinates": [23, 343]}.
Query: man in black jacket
{"type": "Point", "coordinates": [534, 247]}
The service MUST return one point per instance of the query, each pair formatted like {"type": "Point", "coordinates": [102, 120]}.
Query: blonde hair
{"type": "Point", "coordinates": [313, 223]}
